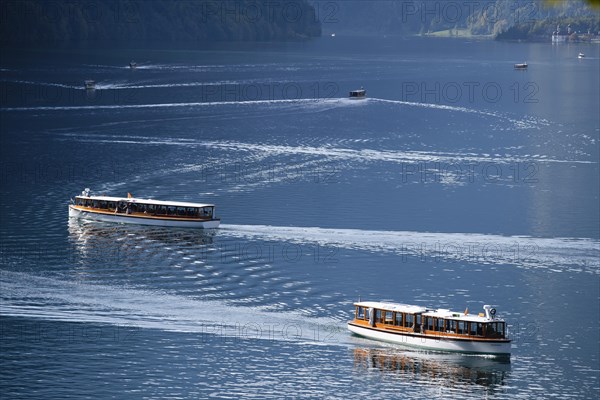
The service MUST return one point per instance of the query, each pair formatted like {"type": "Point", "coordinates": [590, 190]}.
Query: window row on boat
{"type": "Point", "coordinates": [127, 207]}
{"type": "Point", "coordinates": [429, 324]}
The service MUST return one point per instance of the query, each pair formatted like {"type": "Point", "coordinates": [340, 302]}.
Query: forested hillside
{"type": "Point", "coordinates": [527, 18]}
{"type": "Point", "coordinates": [69, 22]}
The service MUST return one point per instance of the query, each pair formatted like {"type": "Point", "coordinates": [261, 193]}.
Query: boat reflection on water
{"type": "Point", "coordinates": [448, 370]}
{"type": "Point", "coordinates": [97, 243]}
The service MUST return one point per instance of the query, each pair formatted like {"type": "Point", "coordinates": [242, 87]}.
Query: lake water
{"type": "Point", "coordinates": [459, 182]}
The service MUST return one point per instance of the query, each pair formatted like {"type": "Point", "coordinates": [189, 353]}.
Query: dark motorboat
{"type": "Point", "coordinates": [358, 94]}
{"type": "Point", "coordinates": [89, 84]}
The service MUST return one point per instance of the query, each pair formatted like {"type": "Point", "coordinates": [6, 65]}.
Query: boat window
{"type": "Point", "coordinates": [494, 330]}
{"type": "Point", "coordinates": [409, 321]}
{"type": "Point", "coordinates": [180, 210]}
{"type": "Point", "coordinates": [192, 212]}
{"type": "Point", "coordinates": [389, 317]}
{"type": "Point", "coordinates": [476, 329]}
{"type": "Point", "coordinates": [439, 325]}
{"type": "Point", "coordinates": [151, 208]}
{"type": "Point", "coordinates": [367, 313]}
{"type": "Point", "coordinates": [462, 327]}
{"type": "Point", "coordinates": [111, 205]}
{"type": "Point", "coordinates": [429, 323]}
{"type": "Point", "coordinates": [417, 326]}
{"type": "Point", "coordinates": [451, 326]}
{"type": "Point", "coordinates": [79, 201]}
{"type": "Point", "coordinates": [378, 316]}
{"type": "Point", "coordinates": [360, 312]}
{"type": "Point", "coordinates": [399, 319]}
{"type": "Point", "coordinates": [490, 329]}
{"type": "Point", "coordinates": [103, 205]}
{"type": "Point", "coordinates": [473, 328]}
{"type": "Point", "coordinates": [121, 206]}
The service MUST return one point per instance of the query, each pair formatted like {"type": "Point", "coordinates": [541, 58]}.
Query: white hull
{"type": "Point", "coordinates": [434, 343]}
{"type": "Point", "coordinates": [127, 219]}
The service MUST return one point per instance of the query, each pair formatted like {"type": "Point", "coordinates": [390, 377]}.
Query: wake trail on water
{"type": "Point", "coordinates": [175, 105]}
{"type": "Point", "coordinates": [52, 84]}
{"type": "Point", "coordinates": [61, 299]}
{"type": "Point", "coordinates": [327, 151]}
{"type": "Point", "coordinates": [524, 123]}
{"type": "Point", "coordinates": [551, 254]}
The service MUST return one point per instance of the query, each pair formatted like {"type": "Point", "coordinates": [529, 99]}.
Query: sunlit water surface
{"type": "Point", "coordinates": [419, 194]}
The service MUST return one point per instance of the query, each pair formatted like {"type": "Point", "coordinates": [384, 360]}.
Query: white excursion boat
{"type": "Point", "coordinates": [521, 66]}
{"type": "Point", "coordinates": [581, 55]}
{"type": "Point", "coordinates": [143, 211]}
{"type": "Point", "coordinates": [432, 329]}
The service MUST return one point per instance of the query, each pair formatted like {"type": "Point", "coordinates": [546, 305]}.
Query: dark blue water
{"type": "Point", "coordinates": [459, 182]}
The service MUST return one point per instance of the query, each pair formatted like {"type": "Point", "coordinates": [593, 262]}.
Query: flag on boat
{"type": "Point", "coordinates": [129, 195]}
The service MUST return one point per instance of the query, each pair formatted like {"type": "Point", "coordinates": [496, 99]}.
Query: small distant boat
{"type": "Point", "coordinates": [133, 210]}
{"type": "Point", "coordinates": [521, 66]}
{"type": "Point", "coordinates": [358, 94]}
{"type": "Point", "coordinates": [581, 55]}
{"type": "Point", "coordinates": [333, 35]}
{"type": "Point", "coordinates": [434, 329]}
{"type": "Point", "coordinates": [89, 84]}
{"type": "Point", "coordinates": [133, 65]}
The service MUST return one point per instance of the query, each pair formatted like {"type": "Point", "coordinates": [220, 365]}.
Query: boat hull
{"type": "Point", "coordinates": [442, 343]}
{"type": "Point", "coordinates": [139, 220]}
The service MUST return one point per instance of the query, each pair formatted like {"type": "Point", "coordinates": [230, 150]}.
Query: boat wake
{"type": "Point", "coordinates": [550, 254]}
{"type": "Point", "coordinates": [61, 299]}
{"type": "Point", "coordinates": [329, 152]}
{"type": "Point", "coordinates": [520, 123]}
{"type": "Point", "coordinates": [129, 86]}
{"type": "Point", "coordinates": [186, 104]}
{"type": "Point", "coordinates": [150, 66]}
{"type": "Point", "coordinates": [523, 123]}
{"type": "Point", "coordinates": [51, 84]}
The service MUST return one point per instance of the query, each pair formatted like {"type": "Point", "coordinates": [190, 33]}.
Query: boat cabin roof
{"type": "Point", "coordinates": [428, 312]}
{"type": "Point", "coordinates": [405, 308]}
{"type": "Point", "coordinates": [134, 200]}
{"type": "Point", "coordinates": [459, 315]}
